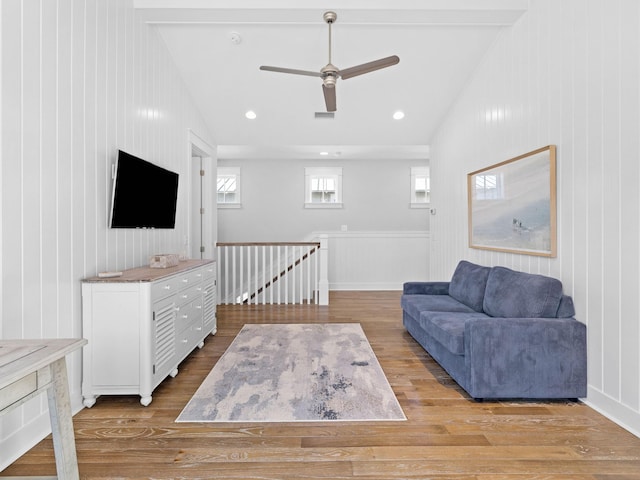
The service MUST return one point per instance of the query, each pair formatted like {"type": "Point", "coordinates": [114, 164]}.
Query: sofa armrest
{"type": "Point", "coordinates": [526, 357]}
{"type": "Point", "coordinates": [426, 288]}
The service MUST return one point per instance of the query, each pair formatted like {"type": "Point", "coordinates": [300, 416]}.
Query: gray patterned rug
{"type": "Point", "coordinates": [295, 373]}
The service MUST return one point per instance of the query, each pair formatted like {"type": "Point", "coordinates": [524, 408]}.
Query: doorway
{"type": "Point", "coordinates": [201, 239]}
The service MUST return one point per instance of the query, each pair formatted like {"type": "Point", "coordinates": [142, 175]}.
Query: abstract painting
{"type": "Point", "coordinates": [512, 205]}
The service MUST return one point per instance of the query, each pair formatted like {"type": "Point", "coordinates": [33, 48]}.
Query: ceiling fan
{"type": "Point", "coordinates": [330, 73]}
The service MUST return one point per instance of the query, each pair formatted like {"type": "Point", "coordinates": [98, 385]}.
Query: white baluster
{"type": "Point", "coordinates": [279, 279]}
{"type": "Point", "coordinates": [270, 278]}
{"type": "Point", "coordinates": [323, 282]}
{"type": "Point", "coordinates": [316, 274]}
{"type": "Point", "coordinates": [258, 280]}
{"type": "Point", "coordinates": [285, 277]}
{"type": "Point", "coordinates": [292, 261]}
{"type": "Point", "coordinates": [300, 275]}
{"type": "Point", "coordinates": [309, 274]}
{"type": "Point", "coordinates": [227, 267]}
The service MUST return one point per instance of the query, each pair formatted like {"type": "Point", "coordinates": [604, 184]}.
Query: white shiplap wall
{"type": "Point", "coordinates": [80, 79]}
{"type": "Point", "coordinates": [568, 73]}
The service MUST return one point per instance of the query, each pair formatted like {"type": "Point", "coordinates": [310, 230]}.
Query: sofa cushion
{"type": "Point", "coordinates": [468, 284]}
{"type": "Point", "coordinates": [416, 304]}
{"type": "Point", "coordinates": [566, 308]}
{"type": "Point", "coordinates": [448, 328]}
{"type": "Point", "coordinates": [520, 295]}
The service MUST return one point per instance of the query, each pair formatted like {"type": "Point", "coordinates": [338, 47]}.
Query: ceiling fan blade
{"type": "Point", "coordinates": [368, 67]}
{"type": "Point", "coordinates": [329, 98]}
{"type": "Point", "coordinates": [291, 70]}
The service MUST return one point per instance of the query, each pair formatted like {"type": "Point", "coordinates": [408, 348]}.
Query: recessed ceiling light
{"type": "Point", "coordinates": [399, 115]}
{"type": "Point", "coordinates": [251, 115]}
{"type": "Point", "coordinates": [324, 153]}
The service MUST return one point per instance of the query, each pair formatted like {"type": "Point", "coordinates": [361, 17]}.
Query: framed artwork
{"type": "Point", "coordinates": [512, 205]}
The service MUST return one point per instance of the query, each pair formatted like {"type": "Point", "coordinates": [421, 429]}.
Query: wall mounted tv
{"type": "Point", "coordinates": [144, 195]}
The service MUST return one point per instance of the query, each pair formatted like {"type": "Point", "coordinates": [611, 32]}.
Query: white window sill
{"type": "Point", "coordinates": [229, 205]}
{"type": "Point", "coordinates": [419, 205]}
{"type": "Point", "coordinates": [323, 205]}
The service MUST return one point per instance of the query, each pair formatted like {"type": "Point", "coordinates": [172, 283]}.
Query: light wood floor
{"type": "Point", "coordinates": [447, 435]}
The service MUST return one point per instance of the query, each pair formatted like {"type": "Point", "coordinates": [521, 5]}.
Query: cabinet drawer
{"type": "Point", "coordinates": [209, 271]}
{"type": "Point", "coordinates": [189, 313]}
{"type": "Point", "coordinates": [190, 278]}
{"type": "Point", "coordinates": [188, 339]}
{"type": "Point", "coordinates": [189, 294]}
{"type": "Point", "coordinates": [165, 287]}
{"type": "Point", "coordinates": [18, 390]}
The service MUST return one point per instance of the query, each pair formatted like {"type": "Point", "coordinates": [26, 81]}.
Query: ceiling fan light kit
{"type": "Point", "coordinates": [330, 73]}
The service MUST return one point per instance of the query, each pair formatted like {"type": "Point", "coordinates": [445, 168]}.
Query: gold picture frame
{"type": "Point", "coordinates": [512, 205]}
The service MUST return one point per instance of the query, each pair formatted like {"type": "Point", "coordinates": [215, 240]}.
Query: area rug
{"type": "Point", "coordinates": [295, 373]}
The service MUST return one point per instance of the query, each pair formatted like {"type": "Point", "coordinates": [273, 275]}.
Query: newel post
{"type": "Point", "coordinates": [323, 283]}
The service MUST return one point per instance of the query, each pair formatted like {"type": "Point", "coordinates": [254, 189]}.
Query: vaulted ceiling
{"type": "Point", "coordinates": [219, 45]}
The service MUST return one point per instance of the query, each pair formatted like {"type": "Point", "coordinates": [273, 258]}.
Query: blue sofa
{"type": "Point", "coordinates": [500, 333]}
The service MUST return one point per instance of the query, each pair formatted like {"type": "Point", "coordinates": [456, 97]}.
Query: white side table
{"type": "Point", "coordinates": [31, 367]}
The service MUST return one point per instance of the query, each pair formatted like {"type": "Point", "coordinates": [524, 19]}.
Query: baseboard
{"type": "Point", "coordinates": [615, 411]}
{"type": "Point", "coordinates": [24, 439]}
{"type": "Point", "coordinates": [358, 286]}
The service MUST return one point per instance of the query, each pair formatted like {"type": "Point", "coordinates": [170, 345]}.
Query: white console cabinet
{"type": "Point", "coordinates": [141, 325]}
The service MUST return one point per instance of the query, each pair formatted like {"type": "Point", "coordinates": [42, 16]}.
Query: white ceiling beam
{"type": "Point", "coordinates": [396, 12]}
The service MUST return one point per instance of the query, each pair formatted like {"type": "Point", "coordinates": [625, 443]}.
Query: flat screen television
{"type": "Point", "coordinates": [144, 195]}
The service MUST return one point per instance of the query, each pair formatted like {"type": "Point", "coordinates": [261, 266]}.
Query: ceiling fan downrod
{"type": "Point", "coordinates": [329, 71]}
{"type": "Point", "coordinates": [329, 18]}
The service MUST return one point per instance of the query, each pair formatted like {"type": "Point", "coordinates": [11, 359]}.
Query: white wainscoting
{"type": "Point", "coordinates": [376, 260]}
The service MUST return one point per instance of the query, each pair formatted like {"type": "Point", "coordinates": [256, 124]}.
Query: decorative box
{"type": "Point", "coordinates": [164, 260]}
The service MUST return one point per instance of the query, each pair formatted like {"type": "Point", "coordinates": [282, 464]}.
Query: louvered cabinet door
{"type": "Point", "coordinates": [209, 299]}
{"type": "Point", "coordinates": [164, 338]}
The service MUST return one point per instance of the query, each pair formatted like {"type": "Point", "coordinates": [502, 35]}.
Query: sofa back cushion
{"type": "Point", "coordinates": [468, 284]}
{"type": "Point", "coordinates": [521, 295]}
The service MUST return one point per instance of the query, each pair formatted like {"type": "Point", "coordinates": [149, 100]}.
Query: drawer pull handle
{"type": "Point", "coordinates": [167, 287]}
{"type": "Point", "coordinates": [185, 316]}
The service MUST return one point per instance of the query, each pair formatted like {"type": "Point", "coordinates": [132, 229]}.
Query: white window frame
{"type": "Point", "coordinates": [312, 173]}
{"type": "Point", "coordinates": [229, 172]}
{"type": "Point", "coordinates": [415, 174]}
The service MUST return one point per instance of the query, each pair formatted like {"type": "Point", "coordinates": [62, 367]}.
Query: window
{"type": "Point", "coordinates": [488, 187]}
{"type": "Point", "coordinates": [420, 187]}
{"type": "Point", "coordinates": [323, 187]}
{"type": "Point", "coordinates": [228, 187]}
{"type": "Point", "coordinates": [323, 190]}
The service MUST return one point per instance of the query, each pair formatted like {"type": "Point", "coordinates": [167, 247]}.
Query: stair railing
{"type": "Point", "coordinates": [272, 273]}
